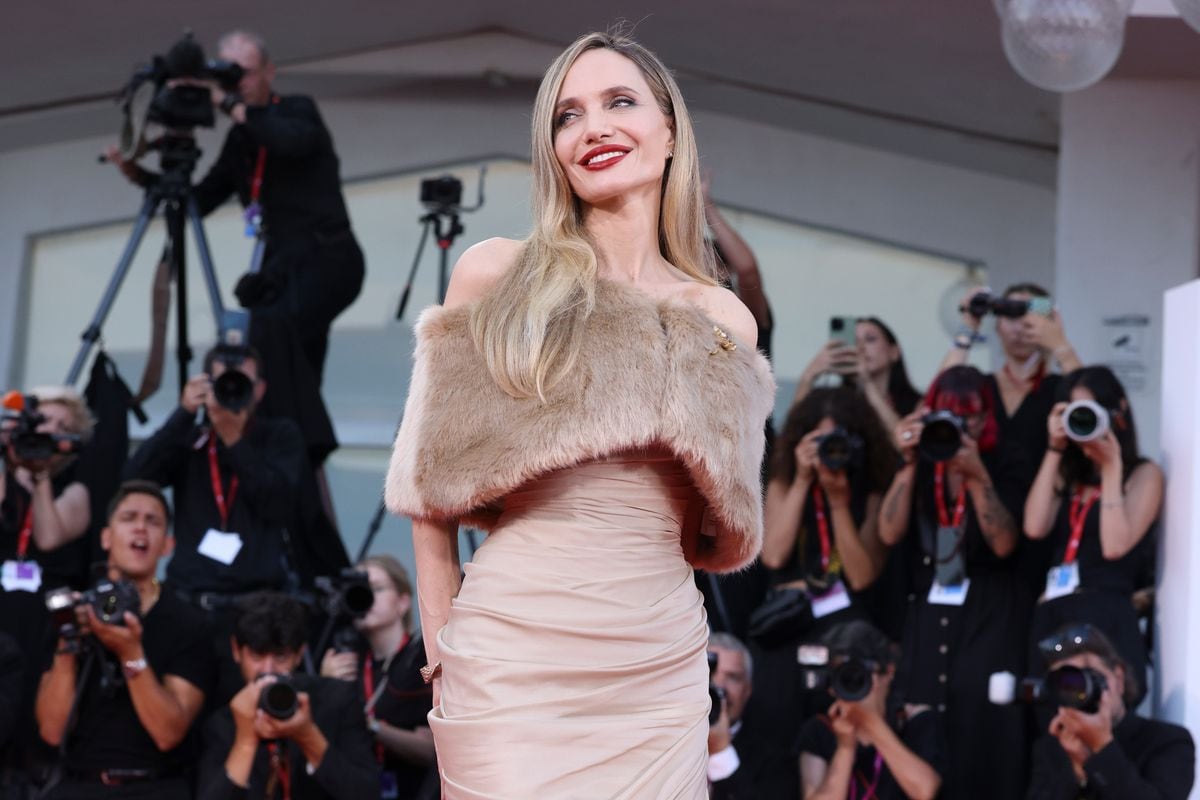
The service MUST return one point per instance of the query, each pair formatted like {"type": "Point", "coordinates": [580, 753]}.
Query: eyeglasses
{"type": "Point", "coordinates": [1069, 642]}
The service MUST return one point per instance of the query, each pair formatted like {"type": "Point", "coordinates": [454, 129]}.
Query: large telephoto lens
{"type": "Point", "coordinates": [1085, 420]}
{"type": "Point", "coordinates": [941, 436]}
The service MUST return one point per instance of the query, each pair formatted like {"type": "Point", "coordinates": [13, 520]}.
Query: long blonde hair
{"type": "Point", "coordinates": [530, 327]}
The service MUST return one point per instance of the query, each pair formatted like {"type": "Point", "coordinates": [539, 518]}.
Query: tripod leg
{"type": "Point", "coordinates": [206, 262]}
{"type": "Point", "coordinates": [178, 261]}
{"type": "Point", "coordinates": [92, 334]}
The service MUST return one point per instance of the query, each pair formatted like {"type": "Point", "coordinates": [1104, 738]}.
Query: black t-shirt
{"type": "Point", "coordinates": [109, 733]}
{"type": "Point", "coordinates": [921, 735]}
{"type": "Point", "coordinates": [404, 702]}
{"type": "Point", "coordinates": [805, 559]}
{"type": "Point", "coordinates": [59, 567]}
{"type": "Point", "coordinates": [267, 462]}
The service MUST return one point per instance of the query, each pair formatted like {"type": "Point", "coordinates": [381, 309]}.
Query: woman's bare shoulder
{"type": "Point", "coordinates": [479, 268]}
{"type": "Point", "coordinates": [726, 309]}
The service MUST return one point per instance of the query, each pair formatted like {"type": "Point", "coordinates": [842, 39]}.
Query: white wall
{"type": "Point", "coordinates": [1005, 224]}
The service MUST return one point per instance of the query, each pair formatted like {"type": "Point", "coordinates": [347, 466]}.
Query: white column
{"type": "Point", "coordinates": [1177, 632]}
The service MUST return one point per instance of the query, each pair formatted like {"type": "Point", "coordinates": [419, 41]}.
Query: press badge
{"type": "Point", "coordinates": [220, 546]}
{"type": "Point", "coordinates": [21, 576]}
{"type": "Point", "coordinates": [950, 595]}
{"type": "Point", "coordinates": [1062, 580]}
{"type": "Point", "coordinates": [389, 786]}
{"type": "Point", "coordinates": [835, 599]}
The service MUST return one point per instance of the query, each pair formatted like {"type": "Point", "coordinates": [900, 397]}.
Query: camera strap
{"type": "Point", "coordinates": [818, 499]}
{"type": "Point", "coordinates": [280, 775]}
{"type": "Point", "coordinates": [939, 496]}
{"type": "Point", "coordinates": [26, 533]}
{"type": "Point", "coordinates": [1078, 516]}
{"type": "Point", "coordinates": [371, 692]}
{"type": "Point", "coordinates": [224, 505]}
{"type": "Point", "coordinates": [868, 790]}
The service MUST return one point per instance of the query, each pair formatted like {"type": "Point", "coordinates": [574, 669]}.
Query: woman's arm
{"type": "Point", "coordinates": [858, 564]}
{"type": "Point", "coordinates": [1126, 516]}
{"type": "Point", "coordinates": [897, 506]}
{"type": "Point", "coordinates": [827, 780]}
{"type": "Point", "coordinates": [439, 577]}
{"type": "Point", "coordinates": [59, 520]}
{"type": "Point", "coordinates": [880, 403]}
{"type": "Point", "coordinates": [415, 746]}
{"type": "Point", "coordinates": [917, 779]}
{"type": "Point", "coordinates": [781, 518]}
{"type": "Point", "coordinates": [1043, 501]}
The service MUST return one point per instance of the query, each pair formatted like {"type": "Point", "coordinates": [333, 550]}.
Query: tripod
{"type": "Point", "coordinates": [173, 191]}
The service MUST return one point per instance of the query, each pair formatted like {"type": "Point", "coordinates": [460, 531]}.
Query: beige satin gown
{"type": "Point", "coordinates": [573, 659]}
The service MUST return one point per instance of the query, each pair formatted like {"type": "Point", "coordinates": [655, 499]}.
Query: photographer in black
{"type": "Point", "coordinates": [861, 749]}
{"type": "Point", "coordinates": [235, 479]}
{"type": "Point", "coordinates": [283, 731]}
{"type": "Point", "coordinates": [278, 158]}
{"type": "Point", "coordinates": [396, 700]}
{"type": "Point", "coordinates": [1111, 754]}
{"type": "Point", "coordinates": [131, 685]}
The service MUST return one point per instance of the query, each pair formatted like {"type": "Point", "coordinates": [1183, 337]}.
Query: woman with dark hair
{"type": "Point", "coordinates": [961, 623]}
{"type": "Point", "coordinates": [882, 374]}
{"type": "Point", "coordinates": [1095, 501]}
{"type": "Point", "coordinates": [830, 468]}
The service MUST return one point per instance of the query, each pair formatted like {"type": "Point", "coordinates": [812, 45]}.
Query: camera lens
{"type": "Point", "coordinates": [834, 451]}
{"type": "Point", "coordinates": [852, 680]}
{"type": "Point", "coordinates": [279, 699]}
{"type": "Point", "coordinates": [941, 437]}
{"type": "Point", "coordinates": [358, 599]}
{"type": "Point", "coordinates": [1085, 420]}
{"type": "Point", "coordinates": [1082, 421]}
{"type": "Point", "coordinates": [1074, 687]}
{"type": "Point", "coordinates": [233, 389]}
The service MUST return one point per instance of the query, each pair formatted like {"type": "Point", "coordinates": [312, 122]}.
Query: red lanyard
{"type": "Point", "coordinates": [1078, 516]}
{"type": "Point", "coordinates": [1035, 380]}
{"type": "Point", "coordinates": [259, 167]}
{"type": "Point", "coordinates": [223, 505]}
{"type": "Point", "coordinates": [822, 527]}
{"type": "Point", "coordinates": [960, 504]}
{"type": "Point", "coordinates": [280, 766]}
{"type": "Point", "coordinates": [869, 790]}
{"type": "Point", "coordinates": [26, 533]}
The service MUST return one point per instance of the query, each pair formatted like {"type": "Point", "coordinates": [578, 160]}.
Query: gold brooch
{"type": "Point", "coordinates": [723, 342]}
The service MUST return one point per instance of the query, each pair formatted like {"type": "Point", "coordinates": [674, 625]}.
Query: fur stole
{"type": "Point", "coordinates": [651, 372]}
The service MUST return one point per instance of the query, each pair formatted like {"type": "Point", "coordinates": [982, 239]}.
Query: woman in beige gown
{"type": "Point", "coordinates": [592, 398]}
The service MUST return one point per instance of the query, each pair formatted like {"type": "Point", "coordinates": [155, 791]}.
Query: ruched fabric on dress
{"type": "Point", "coordinates": [573, 658]}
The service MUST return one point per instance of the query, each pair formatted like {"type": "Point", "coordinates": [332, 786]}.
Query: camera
{"type": "Point", "coordinates": [982, 304]}
{"type": "Point", "coordinates": [27, 442]}
{"type": "Point", "coordinates": [716, 694]}
{"type": "Point", "coordinates": [109, 599]}
{"type": "Point", "coordinates": [941, 436]}
{"type": "Point", "coordinates": [279, 698]}
{"type": "Point", "coordinates": [232, 389]}
{"type": "Point", "coordinates": [442, 194]}
{"type": "Point", "coordinates": [850, 677]}
{"type": "Point", "coordinates": [839, 449]}
{"type": "Point", "coordinates": [182, 106]}
{"type": "Point", "coordinates": [347, 594]}
{"type": "Point", "coordinates": [1085, 420]}
{"type": "Point", "coordinates": [1071, 687]}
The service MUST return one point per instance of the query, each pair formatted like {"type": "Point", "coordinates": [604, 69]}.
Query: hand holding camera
{"type": "Point", "coordinates": [807, 458]}
{"type": "Point", "coordinates": [908, 434]}
{"type": "Point", "coordinates": [122, 638]}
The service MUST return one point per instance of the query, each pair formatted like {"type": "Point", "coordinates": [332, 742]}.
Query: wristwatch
{"type": "Point", "coordinates": [964, 339]}
{"type": "Point", "coordinates": [133, 667]}
{"type": "Point", "coordinates": [431, 671]}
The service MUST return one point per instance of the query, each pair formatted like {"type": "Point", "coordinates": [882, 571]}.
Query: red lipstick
{"type": "Point", "coordinates": [620, 152]}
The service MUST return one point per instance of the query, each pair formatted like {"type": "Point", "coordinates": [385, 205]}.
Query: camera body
{"type": "Point", "coordinates": [27, 442]}
{"type": "Point", "coordinates": [110, 600]}
{"type": "Point", "coordinates": [840, 449]}
{"type": "Point", "coordinates": [347, 594]}
{"type": "Point", "coordinates": [982, 304]}
{"type": "Point", "coordinates": [850, 677]}
{"type": "Point", "coordinates": [941, 436]}
{"type": "Point", "coordinates": [279, 699]}
{"type": "Point", "coordinates": [1071, 687]}
{"type": "Point", "coordinates": [1086, 420]}
{"type": "Point", "coordinates": [442, 194]}
{"type": "Point", "coordinates": [232, 389]}
{"type": "Point", "coordinates": [183, 106]}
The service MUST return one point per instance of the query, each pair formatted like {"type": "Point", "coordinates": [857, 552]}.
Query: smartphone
{"type": "Point", "coordinates": [1041, 305]}
{"type": "Point", "coordinates": [842, 329]}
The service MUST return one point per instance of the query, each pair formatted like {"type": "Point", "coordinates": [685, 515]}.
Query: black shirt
{"type": "Point", "coordinates": [1097, 573]}
{"type": "Point", "coordinates": [301, 189]}
{"type": "Point", "coordinates": [1146, 760]}
{"type": "Point", "coordinates": [59, 567]}
{"type": "Point", "coordinates": [404, 702]}
{"type": "Point", "coordinates": [267, 461]}
{"type": "Point", "coordinates": [109, 734]}
{"type": "Point", "coordinates": [347, 772]}
{"type": "Point", "coordinates": [921, 735]}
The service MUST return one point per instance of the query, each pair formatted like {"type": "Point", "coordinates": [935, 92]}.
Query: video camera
{"type": "Point", "coordinates": [839, 449]}
{"type": "Point", "coordinates": [850, 677]}
{"type": "Point", "coordinates": [1067, 686]}
{"type": "Point", "coordinates": [983, 303]}
{"type": "Point", "coordinates": [109, 599]}
{"type": "Point", "coordinates": [941, 436]}
{"type": "Point", "coordinates": [181, 106]}
{"type": "Point", "coordinates": [23, 436]}
{"type": "Point", "coordinates": [442, 194]}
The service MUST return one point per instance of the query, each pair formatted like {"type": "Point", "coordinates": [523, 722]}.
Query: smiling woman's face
{"type": "Point", "coordinates": [611, 138]}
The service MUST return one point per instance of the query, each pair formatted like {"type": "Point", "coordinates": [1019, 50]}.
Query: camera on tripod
{"type": "Point", "coordinates": [850, 677]}
{"type": "Point", "coordinates": [442, 195]}
{"type": "Point", "coordinates": [1071, 687]}
{"type": "Point", "coordinates": [21, 420]}
{"type": "Point", "coordinates": [109, 599]}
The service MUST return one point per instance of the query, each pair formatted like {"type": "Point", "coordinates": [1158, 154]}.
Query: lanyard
{"type": "Point", "coordinates": [869, 790]}
{"type": "Point", "coordinates": [960, 504]}
{"type": "Point", "coordinates": [260, 166]}
{"type": "Point", "coordinates": [818, 498]}
{"type": "Point", "coordinates": [1078, 516]}
{"type": "Point", "coordinates": [223, 505]}
{"type": "Point", "coordinates": [280, 775]}
{"type": "Point", "coordinates": [373, 693]}
{"type": "Point", "coordinates": [26, 533]}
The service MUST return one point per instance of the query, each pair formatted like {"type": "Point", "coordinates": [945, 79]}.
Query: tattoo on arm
{"type": "Point", "coordinates": [994, 520]}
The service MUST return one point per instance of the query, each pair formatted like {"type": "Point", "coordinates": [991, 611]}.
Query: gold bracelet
{"type": "Point", "coordinates": [431, 671]}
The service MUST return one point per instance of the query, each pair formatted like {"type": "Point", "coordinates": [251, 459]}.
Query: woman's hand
{"type": "Point", "coordinates": [342, 666]}
{"type": "Point", "coordinates": [807, 459]}
{"type": "Point", "coordinates": [969, 320]}
{"type": "Point", "coordinates": [844, 728]}
{"type": "Point", "coordinates": [908, 433]}
{"type": "Point", "coordinates": [1044, 332]}
{"type": "Point", "coordinates": [834, 356]}
{"type": "Point", "coordinates": [1104, 452]}
{"type": "Point", "coordinates": [836, 485]}
{"type": "Point", "coordinates": [1056, 426]}
{"type": "Point", "coordinates": [967, 461]}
